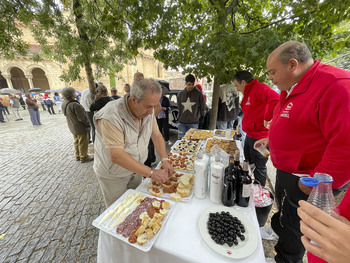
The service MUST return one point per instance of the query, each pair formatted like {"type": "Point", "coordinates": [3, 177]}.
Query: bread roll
{"type": "Point", "coordinates": [140, 230]}
{"type": "Point", "coordinates": [175, 197]}
{"type": "Point", "coordinates": [156, 228]}
{"type": "Point", "coordinates": [149, 233]}
{"type": "Point", "coordinates": [156, 204]}
{"type": "Point", "coordinates": [142, 239]}
{"type": "Point", "coordinates": [184, 192]}
{"type": "Point", "coordinates": [166, 205]}
{"type": "Point", "coordinates": [154, 193]}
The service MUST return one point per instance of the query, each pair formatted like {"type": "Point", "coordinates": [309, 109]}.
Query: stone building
{"type": "Point", "coordinates": [24, 73]}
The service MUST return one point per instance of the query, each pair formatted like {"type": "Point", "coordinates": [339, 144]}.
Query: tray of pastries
{"type": "Point", "coordinates": [136, 218]}
{"type": "Point", "coordinates": [179, 187]}
{"type": "Point", "coordinates": [226, 145]}
{"type": "Point", "coordinates": [180, 161]}
{"type": "Point", "coordinates": [193, 134]}
{"type": "Point", "coordinates": [186, 147]}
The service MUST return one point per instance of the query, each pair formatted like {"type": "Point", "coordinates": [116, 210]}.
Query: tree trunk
{"type": "Point", "coordinates": [215, 104]}
{"type": "Point", "coordinates": [79, 17]}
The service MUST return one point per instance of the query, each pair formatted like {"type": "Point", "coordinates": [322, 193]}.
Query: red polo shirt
{"type": "Point", "coordinates": [257, 105]}
{"type": "Point", "coordinates": [310, 130]}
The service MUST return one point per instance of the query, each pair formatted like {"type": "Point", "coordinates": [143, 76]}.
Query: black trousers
{"type": "Point", "coordinates": [286, 222]}
{"type": "Point", "coordinates": [90, 116]}
{"type": "Point", "coordinates": [50, 108]}
{"type": "Point", "coordinates": [254, 157]}
{"type": "Point", "coordinates": [151, 155]}
{"type": "Point", "coordinates": [163, 125]}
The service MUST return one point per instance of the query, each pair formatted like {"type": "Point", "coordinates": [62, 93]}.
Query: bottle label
{"type": "Point", "coordinates": [246, 190]}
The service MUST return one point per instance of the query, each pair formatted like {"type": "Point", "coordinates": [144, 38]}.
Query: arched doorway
{"type": "Point", "coordinates": [40, 79]}
{"type": "Point", "coordinates": [19, 81]}
{"type": "Point", "coordinates": [3, 83]}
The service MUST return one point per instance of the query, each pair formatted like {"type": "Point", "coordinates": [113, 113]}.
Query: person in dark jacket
{"type": "Point", "coordinates": [78, 124]}
{"type": "Point", "coordinates": [101, 98]}
{"type": "Point", "coordinates": [114, 92]}
{"type": "Point", "coordinates": [163, 117]}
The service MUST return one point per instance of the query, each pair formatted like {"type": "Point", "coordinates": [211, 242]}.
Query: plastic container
{"type": "Point", "coordinates": [217, 170]}
{"type": "Point", "coordinates": [321, 195]}
{"type": "Point", "coordinates": [200, 177]}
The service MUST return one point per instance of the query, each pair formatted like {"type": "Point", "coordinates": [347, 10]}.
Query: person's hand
{"type": "Point", "coordinates": [331, 234]}
{"type": "Point", "coordinates": [168, 167]}
{"type": "Point", "coordinates": [262, 142]}
{"type": "Point", "coordinates": [304, 188]}
{"type": "Point", "coordinates": [160, 175]}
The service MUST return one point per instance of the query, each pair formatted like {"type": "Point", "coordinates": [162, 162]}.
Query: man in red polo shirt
{"type": "Point", "coordinates": [257, 106]}
{"type": "Point", "coordinates": [309, 133]}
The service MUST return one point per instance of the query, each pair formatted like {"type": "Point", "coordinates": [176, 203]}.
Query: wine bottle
{"type": "Point", "coordinates": [229, 184]}
{"type": "Point", "coordinates": [244, 186]}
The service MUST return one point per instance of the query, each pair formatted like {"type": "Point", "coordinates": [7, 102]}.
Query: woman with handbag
{"type": "Point", "coordinates": [33, 110]}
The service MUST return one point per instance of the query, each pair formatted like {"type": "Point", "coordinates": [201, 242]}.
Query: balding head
{"type": "Point", "coordinates": [288, 63]}
{"type": "Point", "coordinates": [293, 50]}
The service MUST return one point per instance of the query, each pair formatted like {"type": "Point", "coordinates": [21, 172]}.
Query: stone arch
{"type": "Point", "coordinates": [8, 67]}
{"type": "Point", "coordinates": [39, 79]}
{"type": "Point", "coordinates": [30, 68]}
{"type": "Point", "coordinates": [18, 79]}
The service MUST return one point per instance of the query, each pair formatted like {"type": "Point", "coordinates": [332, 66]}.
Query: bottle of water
{"type": "Point", "coordinates": [321, 195]}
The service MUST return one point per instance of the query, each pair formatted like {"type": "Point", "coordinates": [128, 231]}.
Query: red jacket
{"type": "Point", "coordinates": [310, 130]}
{"type": "Point", "coordinates": [257, 105]}
{"type": "Point", "coordinates": [344, 211]}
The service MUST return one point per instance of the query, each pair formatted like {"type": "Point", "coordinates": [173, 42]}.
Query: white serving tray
{"type": "Point", "coordinates": [146, 247]}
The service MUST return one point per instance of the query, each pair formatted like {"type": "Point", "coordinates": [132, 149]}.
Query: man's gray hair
{"type": "Point", "coordinates": [294, 50]}
{"type": "Point", "coordinates": [68, 93]}
{"type": "Point", "coordinates": [139, 88]}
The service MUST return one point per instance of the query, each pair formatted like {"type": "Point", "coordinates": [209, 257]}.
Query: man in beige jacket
{"type": "Point", "coordinates": [123, 130]}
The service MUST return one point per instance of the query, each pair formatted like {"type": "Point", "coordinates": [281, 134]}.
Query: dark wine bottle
{"type": "Point", "coordinates": [244, 186]}
{"type": "Point", "coordinates": [229, 184]}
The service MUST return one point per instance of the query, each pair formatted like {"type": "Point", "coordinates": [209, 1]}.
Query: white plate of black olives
{"type": "Point", "coordinates": [228, 232]}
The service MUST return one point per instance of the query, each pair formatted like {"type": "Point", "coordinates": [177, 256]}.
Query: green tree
{"type": "Point", "coordinates": [12, 12]}
{"type": "Point", "coordinates": [209, 37]}
{"type": "Point", "coordinates": [101, 33]}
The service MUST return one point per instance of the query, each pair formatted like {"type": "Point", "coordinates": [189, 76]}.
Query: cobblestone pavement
{"type": "Point", "coordinates": [47, 199]}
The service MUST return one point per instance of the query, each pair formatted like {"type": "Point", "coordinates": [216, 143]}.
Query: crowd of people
{"type": "Point", "coordinates": [305, 125]}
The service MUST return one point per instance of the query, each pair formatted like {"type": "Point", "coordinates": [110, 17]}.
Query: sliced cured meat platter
{"type": "Point", "coordinates": [123, 218]}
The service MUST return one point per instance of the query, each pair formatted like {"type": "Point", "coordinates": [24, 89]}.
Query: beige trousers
{"type": "Point", "coordinates": [81, 144]}
{"type": "Point", "coordinates": [114, 188]}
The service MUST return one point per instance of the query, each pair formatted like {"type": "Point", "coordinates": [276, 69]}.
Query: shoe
{"type": "Point", "coordinates": [170, 143]}
{"type": "Point", "coordinates": [270, 260]}
{"type": "Point", "coordinates": [267, 233]}
{"type": "Point", "coordinates": [87, 159]}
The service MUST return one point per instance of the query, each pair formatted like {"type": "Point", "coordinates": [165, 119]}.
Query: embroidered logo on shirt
{"type": "Point", "coordinates": [285, 112]}
{"type": "Point", "coordinates": [248, 101]}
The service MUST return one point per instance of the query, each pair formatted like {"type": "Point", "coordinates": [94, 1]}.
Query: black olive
{"type": "Point", "coordinates": [230, 243]}
{"type": "Point", "coordinates": [235, 241]}
{"type": "Point", "coordinates": [242, 237]}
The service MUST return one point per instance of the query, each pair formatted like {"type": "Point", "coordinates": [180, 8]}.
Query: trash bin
{"type": "Point", "coordinates": [262, 213]}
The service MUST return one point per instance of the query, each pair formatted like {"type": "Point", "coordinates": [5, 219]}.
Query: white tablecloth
{"type": "Point", "coordinates": [178, 241]}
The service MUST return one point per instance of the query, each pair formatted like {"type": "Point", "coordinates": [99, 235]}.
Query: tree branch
{"type": "Point", "coordinates": [231, 6]}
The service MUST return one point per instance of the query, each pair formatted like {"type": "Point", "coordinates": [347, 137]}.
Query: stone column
{"type": "Point", "coordinates": [30, 80]}
{"type": "Point", "coordinates": [8, 80]}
